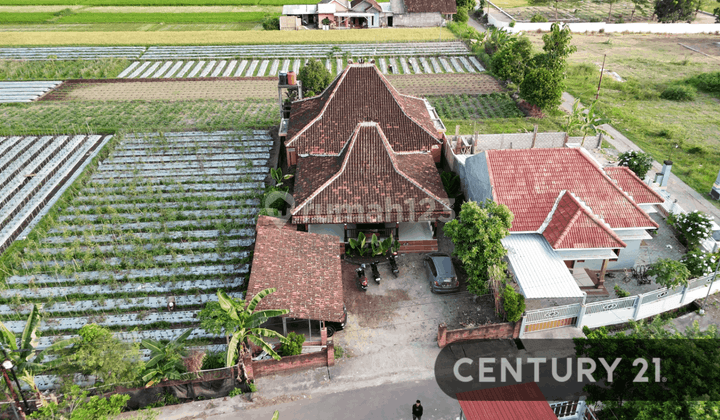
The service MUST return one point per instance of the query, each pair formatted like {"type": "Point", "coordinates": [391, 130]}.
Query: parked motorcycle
{"type": "Point", "coordinates": [375, 271]}
{"type": "Point", "coordinates": [361, 279]}
{"type": "Point", "coordinates": [393, 264]}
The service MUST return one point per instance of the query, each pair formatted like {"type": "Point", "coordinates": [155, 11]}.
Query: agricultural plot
{"type": "Point", "coordinates": [164, 215]}
{"type": "Point", "coordinates": [585, 11]}
{"type": "Point", "coordinates": [446, 84]}
{"type": "Point", "coordinates": [13, 92]}
{"type": "Point", "coordinates": [216, 67]}
{"type": "Point", "coordinates": [467, 107]}
{"type": "Point", "coordinates": [70, 53]}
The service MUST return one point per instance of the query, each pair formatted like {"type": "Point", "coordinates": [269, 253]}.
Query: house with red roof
{"type": "Point", "coordinates": [573, 221]}
{"type": "Point", "coordinates": [305, 269]}
{"type": "Point", "coordinates": [366, 162]}
{"type": "Point", "coordinates": [371, 14]}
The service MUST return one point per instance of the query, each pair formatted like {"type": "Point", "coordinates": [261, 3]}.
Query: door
{"type": "Point", "coordinates": [390, 21]}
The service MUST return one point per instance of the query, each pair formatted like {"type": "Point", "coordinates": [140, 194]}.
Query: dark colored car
{"type": "Point", "coordinates": [441, 273]}
{"type": "Point", "coordinates": [333, 327]}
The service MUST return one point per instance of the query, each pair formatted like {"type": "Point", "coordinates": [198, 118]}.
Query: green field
{"type": "Point", "coordinates": [152, 2]}
{"type": "Point", "coordinates": [6, 18]}
{"type": "Point", "coordinates": [61, 69]}
{"type": "Point", "coordinates": [163, 17]}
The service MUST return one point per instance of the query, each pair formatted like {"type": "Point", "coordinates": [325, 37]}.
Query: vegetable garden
{"type": "Point", "coordinates": [165, 217]}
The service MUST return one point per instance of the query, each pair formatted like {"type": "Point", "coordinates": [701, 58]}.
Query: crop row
{"type": "Point", "coordinates": [70, 53]}
{"type": "Point", "coordinates": [160, 259]}
{"type": "Point", "coordinates": [177, 187]}
{"type": "Point", "coordinates": [131, 236]}
{"type": "Point", "coordinates": [118, 248]}
{"type": "Point", "coordinates": [117, 201]}
{"type": "Point", "coordinates": [15, 92]}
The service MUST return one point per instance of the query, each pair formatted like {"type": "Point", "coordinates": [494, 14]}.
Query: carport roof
{"type": "Point", "coordinates": [540, 271]}
{"type": "Point", "coordinates": [303, 267]}
{"type": "Point", "coordinates": [521, 401]}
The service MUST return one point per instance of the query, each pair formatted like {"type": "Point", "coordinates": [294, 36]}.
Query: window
{"type": "Point", "coordinates": [431, 264]}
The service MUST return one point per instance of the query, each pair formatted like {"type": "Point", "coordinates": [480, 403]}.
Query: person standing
{"type": "Point", "coordinates": [417, 410]}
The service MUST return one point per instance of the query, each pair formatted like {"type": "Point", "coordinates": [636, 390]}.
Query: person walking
{"type": "Point", "coordinates": [417, 410]}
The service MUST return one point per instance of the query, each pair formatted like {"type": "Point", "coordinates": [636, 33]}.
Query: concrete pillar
{"type": "Point", "coordinates": [522, 326]}
{"type": "Point", "coordinates": [323, 335]}
{"type": "Point", "coordinates": [330, 355]}
{"type": "Point", "coordinates": [284, 321]}
{"type": "Point", "coordinates": [663, 176]}
{"type": "Point", "coordinates": [638, 302]}
{"type": "Point", "coordinates": [715, 192]}
{"type": "Point", "coordinates": [684, 294]}
{"type": "Point", "coordinates": [442, 335]}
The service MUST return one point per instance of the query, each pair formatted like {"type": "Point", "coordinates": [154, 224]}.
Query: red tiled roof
{"type": "Point", "coordinates": [529, 181]}
{"type": "Point", "coordinates": [372, 3]}
{"type": "Point", "coordinates": [303, 267]}
{"type": "Point", "coordinates": [572, 225]}
{"type": "Point", "coordinates": [323, 125]}
{"type": "Point", "coordinates": [640, 192]}
{"type": "Point", "coordinates": [368, 184]}
{"type": "Point", "coordinates": [447, 7]}
{"type": "Point", "coordinates": [512, 402]}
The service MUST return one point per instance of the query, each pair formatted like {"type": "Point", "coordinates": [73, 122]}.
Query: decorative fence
{"type": "Point", "coordinates": [619, 311]}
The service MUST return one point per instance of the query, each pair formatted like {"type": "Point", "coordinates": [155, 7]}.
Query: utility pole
{"type": "Point", "coordinates": [717, 267]}
{"type": "Point", "coordinates": [602, 70]}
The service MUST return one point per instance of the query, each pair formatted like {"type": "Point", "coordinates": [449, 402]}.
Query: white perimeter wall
{"type": "Point", "coordinates": [653, 28]}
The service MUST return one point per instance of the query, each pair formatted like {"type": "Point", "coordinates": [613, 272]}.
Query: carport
{"type": "Point", "coordinates": [539, 271]}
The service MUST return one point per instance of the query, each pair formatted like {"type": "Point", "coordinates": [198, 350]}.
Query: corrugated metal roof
{"type": "Point", "coordinates": [300, 9]}
{"type": "Point", "coordinates": [512, 402]}
{"type": "Point", "coordinates": [386, 7]}
{"type": "Point", "coordinates": [540, 271]}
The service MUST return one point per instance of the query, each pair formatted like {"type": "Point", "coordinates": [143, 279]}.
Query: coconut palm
{"type": "Point", "coordinates": [249, 321]}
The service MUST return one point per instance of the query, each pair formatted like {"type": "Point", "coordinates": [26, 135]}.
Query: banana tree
{"type": "Point", "coordinates": [590, 123]}
{"type": "Point", "coordinates": [29, 364]}
{"type": "Point", "coordinates": [359, 244]}
{"type": "Point", "coordinates": [380, 247]}
{"type": "Point", "coordinates": [394, 244]}
{"type": "Point", "coordinates": [248, 330]}
{"type": "Point", "coordinates": [278, 177]}
{"type": "Point", "coordinates": [166, 360]}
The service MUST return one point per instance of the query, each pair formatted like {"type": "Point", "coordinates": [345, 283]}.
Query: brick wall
{"type": "Point", "coordinates": [491, 331]}
{"type": "Point", "coordinates": [325, 357]}
{"type": "Point", "coordinates": [419, 246]}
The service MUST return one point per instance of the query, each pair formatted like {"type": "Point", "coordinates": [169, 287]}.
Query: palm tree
{"type": "Point", "coordinates": [166, 360]}
{"type": "Point", "coordinates": [248, 329]}
{"type": "Point", "coordinates": [27, 363]}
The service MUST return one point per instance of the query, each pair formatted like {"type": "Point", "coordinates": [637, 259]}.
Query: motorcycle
{"type": "Point", "coordinates": [375, 272]}
{"type": "Point", "coordinates": [393, 264]}
{"type": "Point", "coordinates": [361, 279]}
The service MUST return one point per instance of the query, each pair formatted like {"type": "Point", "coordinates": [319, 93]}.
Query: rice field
{"type": "Point", "coordinates": [161, 215]}
{"type": "Point", "coordinates": [92, 17]}
{"type": "Point", "coordinates": [153, 2]}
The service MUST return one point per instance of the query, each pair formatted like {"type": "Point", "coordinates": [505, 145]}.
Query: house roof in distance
{"type": "Point", "coordinates": [572, 224]}
{"type": "Point", "coordinates": [303, 267]}
{"type": "Point", "coordinates": [448, 7]}
{"type": "Point", "coordinates": [529, 181]}
{"type": "Point", "coordinates": [369, 183]}
{"type": "Point", "coordinates": [372, 3]}
{"type": "Point", "coordinates": [640, 192]}
{"type": "Point", "coordinates": [323, 125]}
{"type": "Point", "coordinates": [522, 401]}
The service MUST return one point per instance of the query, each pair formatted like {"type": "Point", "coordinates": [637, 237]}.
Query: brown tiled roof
{"type": "Point", "coordinates": [529, 182]}
{"type": "Point", "coordinates": [573, 225]}
{"type": "Point", "coordinates": [447, 7]}
{"type": "Point", "coordinates": [303, 267]}
{"type": "Point", "coordinates": [640, 192]}
{"type": "Point", "coordinates": [323, 125]}
{"type": "Point", "coordinates": [370, 185]}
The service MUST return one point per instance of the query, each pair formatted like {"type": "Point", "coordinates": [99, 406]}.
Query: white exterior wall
{"type": "Point", "coordinates": [418, 19]}
{"type": "Point", "coordinates": [581, 27]}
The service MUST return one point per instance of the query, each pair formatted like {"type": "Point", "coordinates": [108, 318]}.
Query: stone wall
{"type": "Point", "coordinates": [488, 332]}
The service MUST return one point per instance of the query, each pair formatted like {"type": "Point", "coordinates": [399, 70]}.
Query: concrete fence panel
{"type": "Point", "coordinates": [486, 332]}
{"type": "Point", "coordinates": [581, 27]}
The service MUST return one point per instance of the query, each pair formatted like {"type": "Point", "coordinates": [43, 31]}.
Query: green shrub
{"type": "Point", "coordinates": [707, 82]}
{"type": "Point", "coordinates": [315, 77]}
{"type": "Point", "coordinates": [538, 18]}
{"type": "Point", "coordinates": [512, 24]}
{"type": "Point", "coordinates": [461, 15]}
{"type": "Point", "coordinates": [620, 292]}
{"type": "Point", "coordinates": [693, 227]}
{"type": "Point", "coordinates": [271, 23]}
{"type": "Point", "coordinates": [513, 303]}
{"type": "Point", "coordinates": [235, 392]}
{"type": "Point", "coordinates": [700, 263]}
{"type": "Point", "coordinates": [294, 346]}
{"type": "Point", "coordinates": [638, 162]}
{"type": "Point", "coordinates": [215, 360]}
{"type": "Point", "coordinates": [669, 273]}
{"type": "Point", "coordinates": [678, 93]}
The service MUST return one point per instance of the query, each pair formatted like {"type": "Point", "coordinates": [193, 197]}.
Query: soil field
{"type": "Point", "coordinates": [445, 84]}
{"type": "Point", "coordinates": [226, 88]}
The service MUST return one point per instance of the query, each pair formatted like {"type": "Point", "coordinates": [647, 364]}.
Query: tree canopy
{"type": "Point", "coordinates": [315, 77]}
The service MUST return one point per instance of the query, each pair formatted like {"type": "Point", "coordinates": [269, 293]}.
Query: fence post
{"type": "Point", "coordinates": [522, 326]}
{"type": "Point", "coordinates": [534, 137]}
{"type": "Point", "coordinates": [580, 316]}
{"type": "Point", "coordinates": [638, 302]}
{"type": "Point", "coordinates": [684, 294]}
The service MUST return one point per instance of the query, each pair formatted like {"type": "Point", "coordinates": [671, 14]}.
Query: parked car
{"type": "Point", "coordinates": [333, 327]}
{"type": "Point", "coordinates": [441, 273]}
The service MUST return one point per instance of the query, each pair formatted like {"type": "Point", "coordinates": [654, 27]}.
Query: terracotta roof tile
{"type": "Point", "coordinates": [447, 7]}
{"type": "Point", "coordinates": [522, 401]}
{"type": "Point", "coordinates": [303, 267]}
{"type": "Point", "coordinates": [369, 182]}
{"type": "Point", "coordinates": [323, 125]}
{"type": "Point", "coordinates": [529, 181]}
{"type": "Point", "coordinates": [640, 192]}
{"type": "Point", "coordinates": [573, 225]}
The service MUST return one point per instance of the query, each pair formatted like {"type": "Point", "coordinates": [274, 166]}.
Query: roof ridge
{"type": "Point", "coordinates": [550, 215]}
{"type": "Point", "coordinates": [339, 80]}
{"type": "Point", "coordinates": [614, 185]}
{"type": "Point", "coordinates": [633, 174]}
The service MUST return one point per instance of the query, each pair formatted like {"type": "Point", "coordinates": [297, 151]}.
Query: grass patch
{"type": "Point", "coordinates": [6, 18]}
{"type": "Point", "coordinates": [224, 38]}
{"type": "Point", "coordinates": [153, 2]}
{"type": "Point", "coordinates": [110, 117]}
{"type": "Point", "coordinates": [61, 69]}
{"type": "Point", "coordinates": [505, 125]}
{"type": "Point", "coordinates": [685, 132]}
{"type": "Point", "coordinates": [507, 4]}
{"type": "Point", "coordinates": [494, 105]}
{"type": "Point", "coordinates": [163, 17]}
